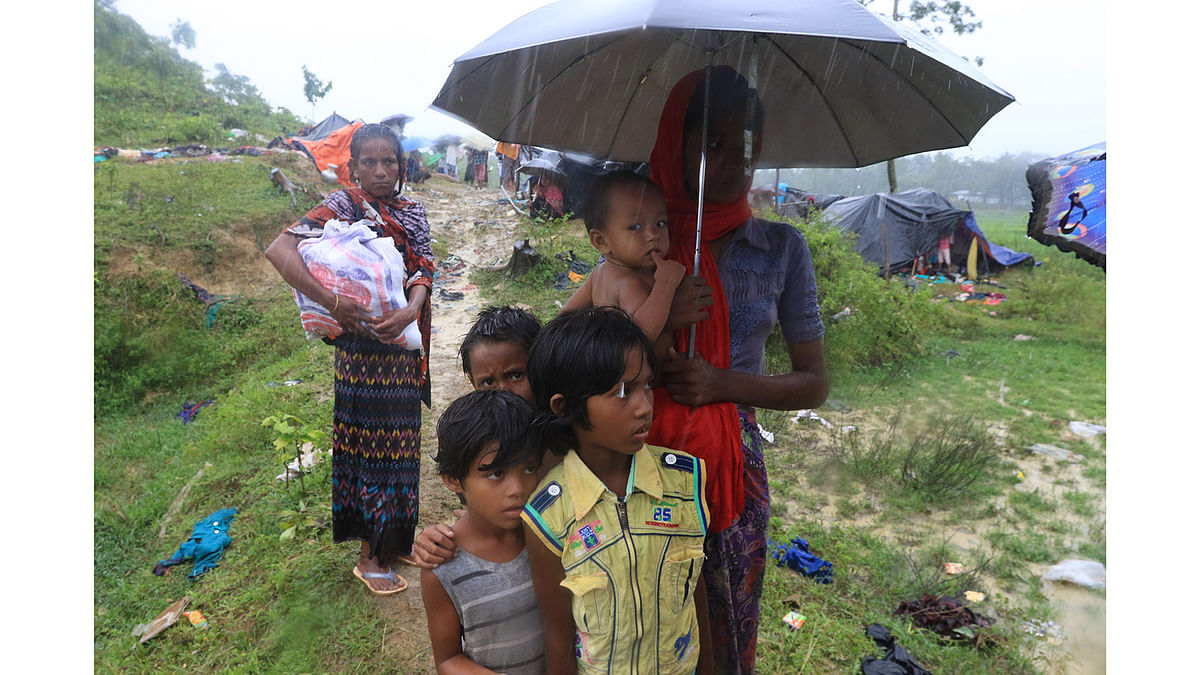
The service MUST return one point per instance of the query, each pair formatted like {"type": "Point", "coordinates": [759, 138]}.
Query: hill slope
{"type": "Point", "coordinates": [147, 95]}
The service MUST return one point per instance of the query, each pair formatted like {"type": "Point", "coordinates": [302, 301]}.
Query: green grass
{"type": "Point", "coordinates": [535, 289]}
{"type": "Point", "coordinates": [871, 578]}
{"type": "Point", "coordinates": [147, 95]}
{"type": "Point", "coordinates": [273, 606]}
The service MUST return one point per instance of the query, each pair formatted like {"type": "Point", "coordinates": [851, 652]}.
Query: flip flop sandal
{"type": "Point", "coordinates": [389, 575]}
{"type": "Point", "coordinates": [408, 560]}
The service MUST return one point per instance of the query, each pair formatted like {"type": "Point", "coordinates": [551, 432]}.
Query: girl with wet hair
{"type": "Point", "coordinates": [615, 533]}
{"type": "Point", "coordinates": [753, 275]}
{"type": "Point", "coordinates": [378, 385]}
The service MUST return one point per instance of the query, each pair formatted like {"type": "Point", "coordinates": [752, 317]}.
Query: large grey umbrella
{"type": "Point", "coordinates": [841, 86]}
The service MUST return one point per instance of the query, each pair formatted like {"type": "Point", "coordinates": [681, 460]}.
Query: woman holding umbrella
{"type": "Point", "coordinates": [753, 274]}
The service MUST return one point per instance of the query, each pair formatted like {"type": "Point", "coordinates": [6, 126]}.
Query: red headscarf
{"type": "Point", "coordinates": [711, 432]}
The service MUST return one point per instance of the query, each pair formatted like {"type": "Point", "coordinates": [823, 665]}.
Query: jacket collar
{"type": "Point", "coordinates": [586, 489]}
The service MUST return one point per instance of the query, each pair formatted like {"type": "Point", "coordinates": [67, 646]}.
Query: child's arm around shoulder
{"type": "Point", "coordinates": [445, 631]}
{"type": "Point", "coordinates": [554, 602]}
{"type": "Point", "coordinates": [650, 310]}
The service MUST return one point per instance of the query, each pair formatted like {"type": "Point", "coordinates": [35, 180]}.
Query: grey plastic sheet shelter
{"type": "Point", "coordinates": [841, 86]}
{"type": "Point", "coordinates": [893, 229]}
{"type": "Point", "coordinates": [325, 127]}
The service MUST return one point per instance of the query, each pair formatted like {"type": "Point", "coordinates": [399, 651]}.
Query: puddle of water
{"type": "Point", "coordinates": [1081, 613]}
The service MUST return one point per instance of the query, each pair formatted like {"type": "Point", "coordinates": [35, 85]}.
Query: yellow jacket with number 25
{"type": "Point", "coordinates": [631, 561]}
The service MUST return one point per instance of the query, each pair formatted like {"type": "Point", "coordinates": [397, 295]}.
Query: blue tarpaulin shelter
{"type": "Point", "coordinates": [1070, 197]}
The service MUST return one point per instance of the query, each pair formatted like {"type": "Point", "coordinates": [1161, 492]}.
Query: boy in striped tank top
{"type": "Point", "coordinates": [480, 605]}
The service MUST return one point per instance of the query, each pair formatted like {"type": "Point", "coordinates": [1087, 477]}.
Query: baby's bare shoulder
{"type": "Point", "coordinates": [619, 287]}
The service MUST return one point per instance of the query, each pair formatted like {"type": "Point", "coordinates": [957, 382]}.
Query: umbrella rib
{"type": "Point", "coordinates": [837, 120]}
{"type": "Point", "coordinates": [533, 97]}
{"type": "Point", "coordinates": [863, 46]}
{"type": "Point", "coordinates": [918, 91]}
{"type": "Point", "coordinates": [629, 100]}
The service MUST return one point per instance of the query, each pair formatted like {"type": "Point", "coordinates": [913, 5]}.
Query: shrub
{"type": "Point", "coordinates": [939, 462]}
{"type": "Point", "coordinates": [948, 457]}
{"type": "Point", "coordinates": [149, 336]}
{"type": "Point", "coordinates": [887, 320]}
{"type": "Point", "coordinates": [1056, 292]}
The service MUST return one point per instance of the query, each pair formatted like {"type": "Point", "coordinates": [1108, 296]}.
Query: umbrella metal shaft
{"type": "Point", "coordinates": [700, 201]}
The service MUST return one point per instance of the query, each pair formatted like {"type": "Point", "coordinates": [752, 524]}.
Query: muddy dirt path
{"type": "Point", "coordinates": [472, 228]}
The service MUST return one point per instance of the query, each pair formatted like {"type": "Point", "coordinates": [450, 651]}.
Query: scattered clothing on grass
{"type": "Point", "coordinates": [204, 547]}
{"type": "Point", "coordinates": [945, 616]}
{"type": "Point", "coordinates": [896, 659]}
{"type": "Point", "coordinates": [797, 557]}
{"type": "Point", "coordinates": [190, 410]}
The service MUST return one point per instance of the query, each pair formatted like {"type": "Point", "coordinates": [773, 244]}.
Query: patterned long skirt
{"type": "Point", "coordinates": [736, 562]}
{"type": "Point", "coordinates": [376, 445]}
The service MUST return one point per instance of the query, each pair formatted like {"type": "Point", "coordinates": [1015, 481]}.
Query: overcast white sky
{"type": "Point", "coordinates": [388, 57]}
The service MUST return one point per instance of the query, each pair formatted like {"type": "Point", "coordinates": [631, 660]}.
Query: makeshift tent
{"type": "Point", "coordinates": [788, 201]}
{"type": "Point", "coordinates": [329, 142]}
{"type": "Point", "coordinates": [574, 172]}
{"type": "Point", "coordinates": [417, 143]}
{"type": "Point", "coordinates": [1070, 198]}
{"type": "Point", "coordinates": [332, 149]}
{"type": "Point", "coordinates": [325, 127]}
{"type": "Point", "coordinates": [894, 229]}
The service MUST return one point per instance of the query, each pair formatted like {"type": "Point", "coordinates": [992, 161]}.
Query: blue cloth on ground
{"type": "Point", "coordinates": [190, 409]}
{"type": "Point", "coordinates": [797, 557]}
{"type": "Point", "coordinates": [205, 547]}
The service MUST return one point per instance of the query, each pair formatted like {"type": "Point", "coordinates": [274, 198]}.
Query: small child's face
{"type": "Point", "coordinates": [497, 495]}
{"type": "Point", "coordinates": [500, 365]}
{"type": "Point", "coordinates": [636, 227]}
{"type": "Point", "coordinates": [620, 417]}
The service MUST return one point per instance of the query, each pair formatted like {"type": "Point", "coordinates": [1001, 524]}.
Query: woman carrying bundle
{"type": "Point", "coordinates": [378, 384]}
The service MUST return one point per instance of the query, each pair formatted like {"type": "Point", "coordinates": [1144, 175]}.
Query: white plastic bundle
{"type": "Point", "coordinates": [350, 260]}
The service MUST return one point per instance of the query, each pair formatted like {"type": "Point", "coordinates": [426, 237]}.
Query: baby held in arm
{"type": "Point", "coordinates": [626, 218]}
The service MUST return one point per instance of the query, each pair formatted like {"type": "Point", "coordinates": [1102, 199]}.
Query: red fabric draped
{"type": "Point", "coordinates": [711, 432]}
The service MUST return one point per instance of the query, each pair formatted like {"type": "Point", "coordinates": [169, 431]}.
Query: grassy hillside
{"type": "Point", "coordinates": [147, 95]}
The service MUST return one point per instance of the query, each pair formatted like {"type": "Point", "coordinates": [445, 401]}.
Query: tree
{"type": "Point", "coordinates": [232, 87]}
{"type": "Point", "coordinates": [928, 16]}
{"type": "Point", "coordinates": [183, 34]}
{"type": "Point", "coordinates": [314, 89]}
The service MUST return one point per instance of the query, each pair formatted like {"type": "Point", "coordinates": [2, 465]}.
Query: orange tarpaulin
{"type": "Point", "coordinates": [334, 149]}
{"type": "Point", "coordinates": [509, 150]}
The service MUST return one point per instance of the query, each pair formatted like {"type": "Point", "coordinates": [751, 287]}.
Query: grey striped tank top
{"type": "Point", "coordinates": [502, 628]}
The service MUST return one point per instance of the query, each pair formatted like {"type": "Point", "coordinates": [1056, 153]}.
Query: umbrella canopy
{"type": "Point", "coordinates": [841, 87]}
{"type": "Point", "coordinates": [547, 163]}
{"type": "Point", "coordinates": [1069, 203]}
{"type": "Point", "coordinates": [416, 143]}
